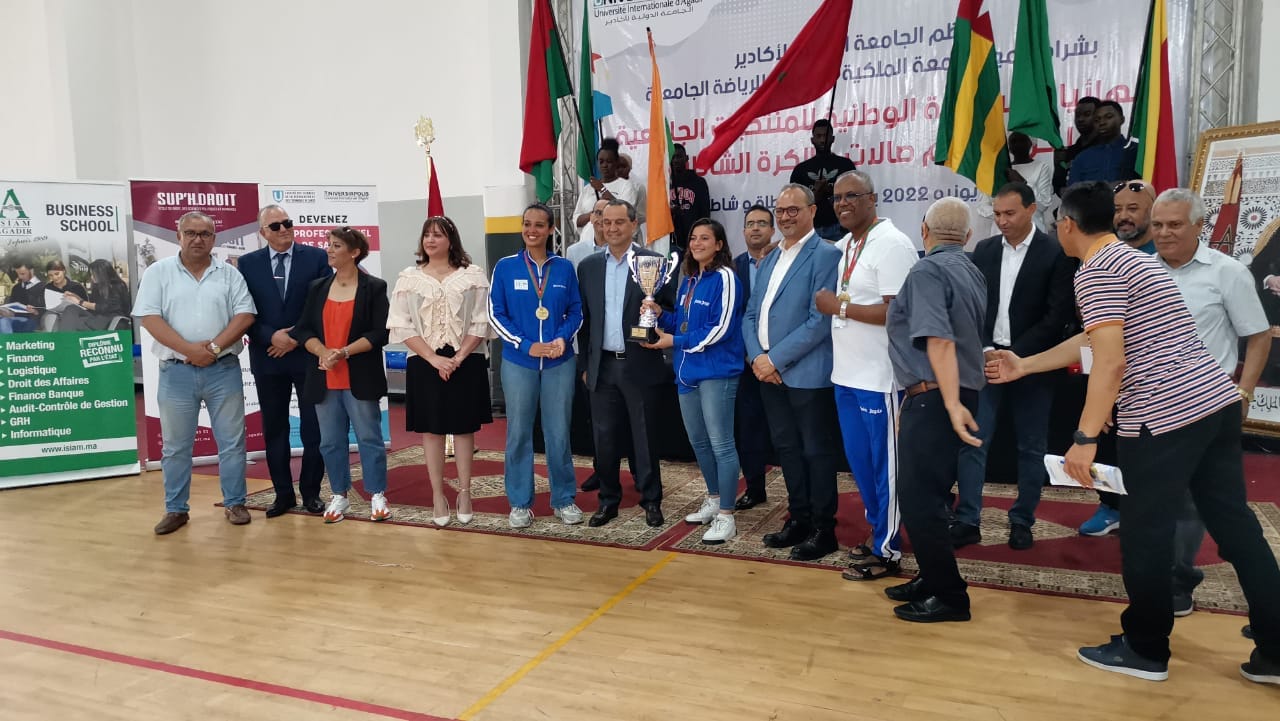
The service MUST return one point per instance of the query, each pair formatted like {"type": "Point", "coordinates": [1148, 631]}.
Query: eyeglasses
{"type": "Point", "coordinates": [201, 234]}
{"type": "Point", "coordinates": [276, 226]}
{"type": "Point", "coordinates": [791, 212]}
{"type": "Point", "coordinates": [758, 224]}
{"type": "Point", "coordinates": [1136, 186]}
{"type": "Point", "coordinates": [849, 197]}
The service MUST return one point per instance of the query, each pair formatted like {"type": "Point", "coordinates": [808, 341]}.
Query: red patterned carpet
{"type": "Point", "coordinates": [1062, 562]}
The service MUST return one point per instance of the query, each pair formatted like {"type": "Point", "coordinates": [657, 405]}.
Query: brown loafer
{"type": "Point", "coordinates": [171, 522]}
{"type": "Point", "coordinates": [238, 515]}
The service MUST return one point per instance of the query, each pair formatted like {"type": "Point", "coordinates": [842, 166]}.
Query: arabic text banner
{"type": "Point", "coordinates": [715, 53]}
{"type": "Point", "coordinates": [66, 374]}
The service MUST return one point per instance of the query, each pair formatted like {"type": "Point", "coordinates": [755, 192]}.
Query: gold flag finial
{"type": "Point", "coordinates": [425, 132]}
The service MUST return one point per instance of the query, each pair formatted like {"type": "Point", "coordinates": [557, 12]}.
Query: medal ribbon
{"type": "Point", "coordinates": [852, 262]}
{"type": "Point", "coordinates": [688, 296]}
{"type": "Point", "coordinates": [540, 281]}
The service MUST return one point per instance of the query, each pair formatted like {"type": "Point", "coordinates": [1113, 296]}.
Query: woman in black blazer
{"type": "Point", "coordinates": [344, 325]}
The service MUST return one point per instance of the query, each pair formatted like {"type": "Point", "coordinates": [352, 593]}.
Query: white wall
{"type": "Point", "coordinates": [36, 122]}
{"type": "Point", "coordinates": [1269, 63]}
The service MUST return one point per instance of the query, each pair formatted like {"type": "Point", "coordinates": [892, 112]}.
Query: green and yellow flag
{"type": "Point", "coordinates": [971, 138]}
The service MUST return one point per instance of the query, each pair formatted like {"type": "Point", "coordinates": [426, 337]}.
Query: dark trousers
{"type": "Point", "coordinates": [274, 393]}
{"type": "Point", "coordinates": [1204, 456]}
{"type": "Point", "coordinates": [806, 435]}
{"type": "Point", "coordinates": [1030, 400]}
{"type": "Point", "coordinates": [751, 431]}
{"type": "Point", "coordinates": [928, 454]}
{"type": "Point", "coordinates": [616, 403]}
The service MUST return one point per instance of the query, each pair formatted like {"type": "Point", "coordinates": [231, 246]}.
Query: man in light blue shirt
{"type": "Point", "coordinates": [592, 239]}
{"type": "Point", "coordinates": [196, 309]}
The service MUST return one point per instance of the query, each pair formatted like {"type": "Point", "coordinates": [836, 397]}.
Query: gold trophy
{"type": "Point", "coordinates": [651, 273]}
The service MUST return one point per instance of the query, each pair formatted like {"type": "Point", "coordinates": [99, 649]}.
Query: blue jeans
{"type": "Point", "coordinates": [708, 417]}
{"type": "Point", "coordinates": [182, 388]}
{"type": "Point", "coordinates": [525, 389]}
{"type": "Point", "coordinates": [338, 412]}
{"type": "Point", "coordinates": [1031, 399]}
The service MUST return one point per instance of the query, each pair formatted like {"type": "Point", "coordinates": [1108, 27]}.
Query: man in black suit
{"type": "Point", "coordinates": [278, 276]}
{"type": "Point", "coordinates": [27, 291]}
{"type": "Point", "coordinates": [622, 377]}
{"type": "Point", "coordinates": [1030, 302]}
{"type": "Point", "coordinates": [751, 429]}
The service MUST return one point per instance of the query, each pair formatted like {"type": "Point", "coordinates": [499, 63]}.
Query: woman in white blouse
{"type": "Point", "coordinates": [439, 310]}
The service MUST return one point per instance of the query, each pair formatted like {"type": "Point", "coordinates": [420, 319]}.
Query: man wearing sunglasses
{"type": "Point", "coordinates": [278, 275]}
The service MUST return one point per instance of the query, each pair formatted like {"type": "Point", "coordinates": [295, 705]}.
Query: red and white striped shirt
{"type": "Point", "coordinates": [1170, 380]}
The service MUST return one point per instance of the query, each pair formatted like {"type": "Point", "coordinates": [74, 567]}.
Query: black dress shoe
{"type": "Point", "coordinates": [1247, 632]}
{"type": "Point", "coordinates": [314, 506]}
{"type": "Point", "coordinates": [279, 508]}
{"type": "Point", "coordinates": [1020, 538]}
{"type": "Point", "coordinates": [749, 500]}
{"type": "Point", "coordinates": [930, 610]}
{"type": "Point", "coordinates": [792, 532]}
{"type": "Point", "coordinates": [963, 534]}
{"type": "Point", "coordinates": [906, 592]}
{"type": "Point", "coordinates": [603, 515]}
{"type": "Point", "coordinates": [591, 484]}
{"type": "Point", "coordinates": [653, 514]}
{"type": "Point", "coordinates": [819, 543]}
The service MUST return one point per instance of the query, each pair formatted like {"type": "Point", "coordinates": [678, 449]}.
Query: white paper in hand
{"type": "Point", "coordinates": [54, 299]}
{"type": "Point", "coordinates": [1105, 478]}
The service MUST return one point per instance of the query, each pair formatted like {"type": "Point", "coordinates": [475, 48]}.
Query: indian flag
{"type": "Point", "coordinates": [1151, 125]}
{"type": "Point", "coordinates": [971, 138]}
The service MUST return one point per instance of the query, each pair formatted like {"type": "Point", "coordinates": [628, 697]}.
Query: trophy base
{"type": "Point", "coordinates": [640, 334]}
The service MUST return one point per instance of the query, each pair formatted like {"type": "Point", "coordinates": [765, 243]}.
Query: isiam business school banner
{"type": "Point", "coordinates": [157, 206]}
{"type": "Point", "coordinates": [714, 53]}
{"type": "Point", "coordinates": [315, 209]}
{"type": "Point", "coordinates": [66, 374]}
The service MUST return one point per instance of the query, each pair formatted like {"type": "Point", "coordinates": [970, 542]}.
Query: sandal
{"type": "Point", "coordinates": [861, 552]}
{"type": "Point", "coordinates": [871, 570]}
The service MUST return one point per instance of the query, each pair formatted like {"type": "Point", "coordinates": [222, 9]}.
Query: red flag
{"type": "Point", "coordinates": [1151, 124]}
{"type": "Point", "coordinates": [548, 81]}
{"type": "Point", "coordinates": [435, 201]}
{"type": "Point", "coordinates": [808, 69]}
{"type": "Point", "coordinates": [1224, 230]}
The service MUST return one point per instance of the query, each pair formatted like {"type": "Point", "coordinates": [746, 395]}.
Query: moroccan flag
{"type": "Point", "coordinates": [807, 70]}
{"type": "Point", "coordinates": [1224, 230]}
{"type": "Point", "coordinates": [971, 127]}
{"type": "Point", "coordinates": [435, 201]}
{"type": "Point", "coordinates": [587, 143]}
{"type": "Point", "coordinates": [1152, 122]}
{"type": "Point", "coordinates": [548, 81]}
{"type": "Point", "coordinates": [1033, 106]}
{"type": "Point", "coordinates": [657, 211]}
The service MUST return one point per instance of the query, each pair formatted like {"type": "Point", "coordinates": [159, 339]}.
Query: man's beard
{"type": "Point", "coordinates": [1137, 232]}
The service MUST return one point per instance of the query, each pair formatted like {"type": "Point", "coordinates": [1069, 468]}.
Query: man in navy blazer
{"type": "Point", "coordinates": [1030, 303]}
{"type": "Point", "coordinates": [278, 276]}
{"type": "Point", "coordinates": [751, 430]}
{"type": "Point", "coordinates": [789, 346]}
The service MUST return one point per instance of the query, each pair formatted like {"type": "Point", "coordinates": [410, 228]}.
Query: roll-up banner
{"type": "Point", "coordinates": [66, 372]}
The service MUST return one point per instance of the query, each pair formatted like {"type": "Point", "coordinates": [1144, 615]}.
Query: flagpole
{"type": "Point", "coordinates": [573, 96]}
{"type": "Point", "coordinates": [831, 106]}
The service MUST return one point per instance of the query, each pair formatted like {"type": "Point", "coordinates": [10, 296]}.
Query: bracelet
{"type": "Point", "coordinates": [844, 306]}
{"type": "Point", "coordinates": [345, 353]}
{"type": "Point", "coordinates": [1244, 394]}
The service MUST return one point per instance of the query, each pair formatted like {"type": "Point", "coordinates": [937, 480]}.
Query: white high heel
{"type": "Point", "coordinates": [464, 518]}
{"type": "Point", "coordinates": [442, 521]}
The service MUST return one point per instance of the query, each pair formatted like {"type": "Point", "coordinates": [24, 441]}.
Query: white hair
{"type": "Point", "coordinates": [948, 220]}
{"type": "Point", "coordinates": [1195, 204]}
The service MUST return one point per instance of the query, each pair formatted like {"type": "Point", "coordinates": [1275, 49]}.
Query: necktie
{"type": "Point", "coordinates": [278, 272]}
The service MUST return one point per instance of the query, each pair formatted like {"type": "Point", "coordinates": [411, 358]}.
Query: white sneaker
{"type": "Point", "coordinates": [378, 508]}
{"type": "Point", "coordinates": [570, 514]}
{"type": "Point", "coordinates": [723, 528]}
{"type": "Point", "coordinates": [707, 513]}
{"type": "Point", "coordinates": [338, 505]}
{"type": "Point", "coordinates": [523, 517]}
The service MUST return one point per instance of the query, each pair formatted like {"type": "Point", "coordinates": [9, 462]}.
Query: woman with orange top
{"type": "Point", "coordinates": [344, 325]}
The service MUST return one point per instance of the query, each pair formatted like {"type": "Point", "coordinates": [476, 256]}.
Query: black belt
{"type": "Point", "coordinates": [613, 354]}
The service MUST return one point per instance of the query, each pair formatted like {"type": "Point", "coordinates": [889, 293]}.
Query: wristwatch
{"type": "Point", "coordinates": [1080, 439]}
{"type": "Point", "coordinates": [215, 348]}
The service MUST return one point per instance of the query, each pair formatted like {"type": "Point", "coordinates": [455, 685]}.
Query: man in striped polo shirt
{"type": "Point", "coordinates": [1178, 427]}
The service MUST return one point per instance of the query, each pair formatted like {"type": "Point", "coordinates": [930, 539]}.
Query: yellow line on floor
{"type": "Point", "coordinates": [559, 643]}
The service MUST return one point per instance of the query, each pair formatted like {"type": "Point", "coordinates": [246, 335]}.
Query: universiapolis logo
{"type": "Point", "coordinates": [293, 197]}
{"type": "Point", "coordinates": [346, 196]}
{"type": "Point", "coordinates": [13, 219]}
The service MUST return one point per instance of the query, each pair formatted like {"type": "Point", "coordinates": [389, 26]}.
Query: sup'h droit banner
{"type": "Point", "coordinates": [66, 373]}
{"type": "Point", "coordinates": [157, 206]}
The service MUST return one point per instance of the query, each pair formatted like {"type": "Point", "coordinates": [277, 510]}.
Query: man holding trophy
{"type": "Point", "coordinates": [623, 377]}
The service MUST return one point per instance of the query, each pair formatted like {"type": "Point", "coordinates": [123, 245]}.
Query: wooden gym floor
{"type": "Point", "coordinates": [293, 619]}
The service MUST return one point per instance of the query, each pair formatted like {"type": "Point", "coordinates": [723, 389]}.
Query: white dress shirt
{"type": "Point", "coordinates": [1011, 258]}
{"type": "Point", "coordinates": [787, 257]}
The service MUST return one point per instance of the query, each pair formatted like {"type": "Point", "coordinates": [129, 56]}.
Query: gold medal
{"type": "Point", "coordinates": [542, 313]}
{"type": "Point", "coordinates": [843, 298]}
{"type": "Point", "coordinates": [684, 327]}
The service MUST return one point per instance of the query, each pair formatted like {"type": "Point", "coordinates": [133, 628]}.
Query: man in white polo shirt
{"type": "Point", "coordinates": [197, 309]}
{"type": "Point", "coordinates": [875, 258]}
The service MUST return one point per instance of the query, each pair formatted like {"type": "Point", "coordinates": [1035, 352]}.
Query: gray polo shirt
{"type": "Point", "coordinates": [1221, 296]}
{"type": "Point", "coordinates": [944, 296]}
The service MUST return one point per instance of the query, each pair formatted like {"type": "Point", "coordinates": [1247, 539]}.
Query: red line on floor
{"type": "Point", "coordinates": [235, 681]}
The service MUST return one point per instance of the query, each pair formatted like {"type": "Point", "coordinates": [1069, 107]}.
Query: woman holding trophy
{"type": "Point", "coordinates": [535, 309]}
{"type": "Point", "coordinates": [706, 333]}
